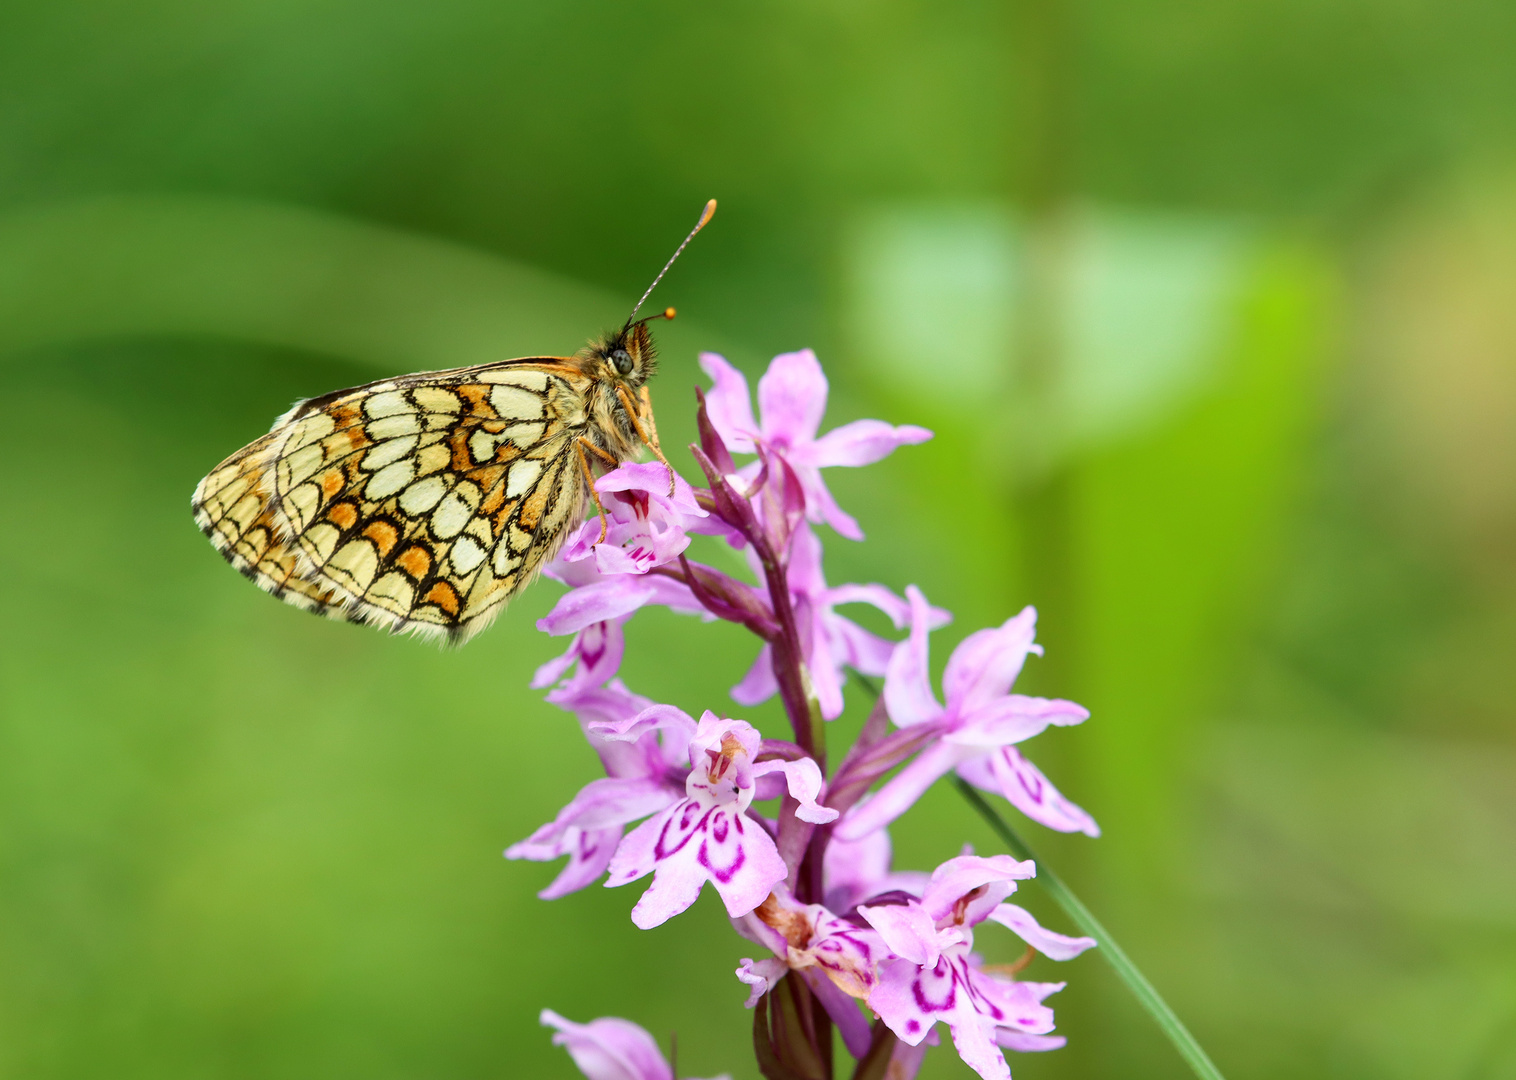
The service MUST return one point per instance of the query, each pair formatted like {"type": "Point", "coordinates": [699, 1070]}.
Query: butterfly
{"type": "Point", "coordinates": [424, 503]}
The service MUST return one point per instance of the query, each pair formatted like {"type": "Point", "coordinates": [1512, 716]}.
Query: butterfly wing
{"type": "Point", "coordinates": [416, 504]}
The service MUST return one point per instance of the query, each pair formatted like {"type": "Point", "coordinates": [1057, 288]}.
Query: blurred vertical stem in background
{"type": "Point", "coordinates": [1043, 162]}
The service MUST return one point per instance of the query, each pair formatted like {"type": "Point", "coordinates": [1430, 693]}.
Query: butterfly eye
{"type": "Point", "coordinates": [623, 361]}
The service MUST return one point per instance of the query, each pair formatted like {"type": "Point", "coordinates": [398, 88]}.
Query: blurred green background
{"type": "Point", "coordinates": [1213, 310]}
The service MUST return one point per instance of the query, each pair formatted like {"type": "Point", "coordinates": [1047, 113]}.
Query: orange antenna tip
{"type": "Point", "coordinates": [705, 216]}
{"type": "Point", "coordinates": [669, 313]}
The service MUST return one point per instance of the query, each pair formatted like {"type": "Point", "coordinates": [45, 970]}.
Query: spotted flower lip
{"type": "Point", "coordinates": [792, 398]}
{"type": "Point", "coordinates": [932, 976]}
{"type": "Point", "coordinates": [708, 836]}
{"type": "Point", "coordinates": [978, 726]}
{"type": "Point", "coordinates": [610, 1048]}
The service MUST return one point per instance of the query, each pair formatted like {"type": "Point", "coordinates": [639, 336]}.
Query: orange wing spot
{"type": "Point", "coordinates": [346, 413]}
{"type": "Point", "coordinates": [457, 442]}
{"type": "Point", "coordinates": [384, 535]}
{"type": "Point", "coordinates": [332, 482]}
{"type": "Point", "coordinates": [502, 516]}
{"type": "Point", "coordinates": [357, 437]}
{"type": "Point", "coordinates": [415, 561]}
{"type": "Point", "coordinates": [443, 596]}
{"type": "Point", "coordinates": [533, 508]}
{"type": "Point", "coordinates": [344, 515]}
{"type": "Point", "coordinates": [477, 396]}
{"type": "Point", "coordinates": [488, 479]}
{"type": "Point", "coordinates": [495, 427]}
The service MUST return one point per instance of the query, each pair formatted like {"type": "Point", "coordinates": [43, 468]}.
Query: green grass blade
{"type": "Point", "coordinates": [1143, 990]}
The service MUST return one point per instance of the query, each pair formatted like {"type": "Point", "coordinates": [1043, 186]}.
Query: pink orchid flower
{"type": "Point", "coordinates": [934, 976]}
{"type": "Point", "coordinates": [611, 1048]}
{"type": "Point", "coordinates": [980, 725]}
{"type": "Point", "coordinates": [792, 399]}
{"type": "Point", "coordinates": [647, 528]}
{"type": "Point", "coordinates": [708, 835]}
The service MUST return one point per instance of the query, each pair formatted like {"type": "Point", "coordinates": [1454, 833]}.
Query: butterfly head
{"type": "Point", "coordinates": [628, 356]}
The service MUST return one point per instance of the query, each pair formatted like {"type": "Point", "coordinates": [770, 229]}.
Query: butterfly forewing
{"type": "Point", "coordinates": [422, 503]}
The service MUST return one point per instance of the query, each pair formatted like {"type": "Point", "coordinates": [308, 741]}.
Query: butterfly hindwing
{"type": "Point", "coordinates": [421, 503]}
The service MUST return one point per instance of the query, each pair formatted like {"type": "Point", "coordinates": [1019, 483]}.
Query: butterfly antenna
{"type": "Point", "coordinates": [705, 216]}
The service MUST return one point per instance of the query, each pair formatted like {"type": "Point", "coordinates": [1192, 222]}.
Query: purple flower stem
{"type": "Point", "coordinates": [792, 1033]}
{"type": "Point", "coordinates": [875, 1064]}
{"type": "Point", "coordinates": [786, 642]}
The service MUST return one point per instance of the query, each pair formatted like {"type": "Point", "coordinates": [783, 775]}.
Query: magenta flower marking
{"type": "Point", "coordinates": [933, 976]}
{"type": "Point", "coordinates": [610, 1048]}
{"type": "Point", "coordinates": [979, 725]}
{"type": "Point", "coordinates": [596, 651]}
{"type": "Point", "coordinates": [708, 835]}
{"type": "Point", "coordinates": [792, 399]}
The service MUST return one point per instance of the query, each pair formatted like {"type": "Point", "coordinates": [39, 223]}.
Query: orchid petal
{"type": "Point", "coordinates": [760, 976]}
{"type": "Point", "coordinates": [985, 665]}
{"type": "Point", "coordinates": [821, 507]}
{"type": "Point", "coordinates": [728, 404]}
{"type": "Point", "coordinates": [666, 718]}
{"type": "Point", "coordinates": [602, 601]}
{"type": "Point", "coordinates": [852, 870]}
{"type": "Point", "coordinates": [1026, 1044]}
{"type": "Point", "coordinates": [759, 684]}
{"type": "Point", "coordinates": [973, 1040]}
{"type": "Point", "coordinates": [1006, 772]}
{"type": "Point", "coordinates": [956, 878]}
{"type": "Point", "coordinates": [825, 674]}
{"type": "Point", "coordinates": [907, 683]}
{"type": "Point", "coordinates": [1020, 1003]}
{"type": "Point", "coordinates": [589, 853]}
{"type": "Point", "coordinates": [1014, 718]}
{"type": "Point", "coordinates": [862, 442]}
{"type": "Point", "coordinates": [803, 779]}
{"type": "Point", "coordinates": [856, 647]}
{"type": "Point", "coordinates": [1053, 946]}
{"type": "Point", "coordinates": [900, 793]}
{"type": "Point", "coordinates": [907, 929]}
{"type": "Point", "coordinates": [609, 1048]}
{"type": "Point", "coordinates": [898, 609]}
{"type": "Point", "coordinates": [616, 801]}
{"type": "Point", "coordinates": [792, 398]}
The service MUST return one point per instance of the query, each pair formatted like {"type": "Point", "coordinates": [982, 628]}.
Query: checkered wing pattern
{"type": "Point", "coordinates": [416, 504]}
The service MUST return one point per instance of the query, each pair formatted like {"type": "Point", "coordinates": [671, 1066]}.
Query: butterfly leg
{"type": "Point", "coordinates": [589, 477]}
{"type": "Point", "coordinates": [647, 430]}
